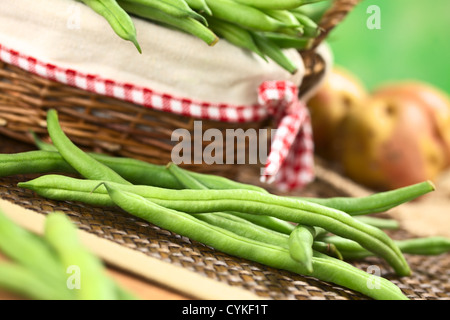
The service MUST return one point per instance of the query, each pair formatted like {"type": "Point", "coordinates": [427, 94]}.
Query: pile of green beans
{"type": "Point", "coordinates": [40, 267]}
{"type": "Point", "coordinates": [263, 27]}
{"type": "Point", "coordinates": [307, 236]}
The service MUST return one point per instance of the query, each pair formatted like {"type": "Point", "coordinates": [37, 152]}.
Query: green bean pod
{"type": "Point", "coordinates": [310, 27]}
{"type": "Point", "coordinates": [22, 281]}
{"type": "Point", "coordinates": [325, 268]}
{"type": "Point", "coordinates": [62, 236]}
{"type": "Point", "coordinates": [200, 6]}
{"type": "Point", "coordinates": [30, 251]}
{"type": "Point", "coordinates": [284, 41]}
{"type": "Point", "coordinates": [327, 248]}
{"type": "Point", "coordinates": [243, 15]}
{"type": "Point", "coordinates": [235, 35]}
{"type": "Point", "coordinates": [188, 25]}
{"type": "Point", "coordinates": [87, 166]}
{"type": "Point", "coordinates": [251, 202]}
{"type": "Point", "coordinates": [117, 18]}
{"type": "Point", "coordinates": [381, 223]}
{"type": "Point", "coordinates": [271, 50]}
{"type": "Point", "coordinates": [416, 246]}
{"type": "Point", "coordinates": [377, 202]}
{"type": "Point", "coordinates": [266, 221]}
{"type": "Point", "coordinates": [273, 5]}
{"type": "Point", "coordinates": [168, 7]}
{"type": "Point", "coordinates": [300, 245]}
{"type": "Point", "coordinates": [284, 16]}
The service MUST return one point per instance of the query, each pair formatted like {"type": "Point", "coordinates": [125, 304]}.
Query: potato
{"type": "Point", "coordinates": [340, 92]}
{"type": "Point", "coordinates": [393, 141]}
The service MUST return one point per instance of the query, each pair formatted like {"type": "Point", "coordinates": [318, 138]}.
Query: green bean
{"type": "Point", "coordinates": [284, 16]}
{"type": "Point", "coordinates": [30, 251]}
{"type": "Point", "coordinates": [284, 41]}
{"type": "Point", "coordinates": [269, 222]}
{"type": "Point", "coordinates": [325, 268]}
{"type": "Point", "coordinates": [316, 10]}
{"type": "Point", "coordinates": [189, 25]}
{"type": "Point", "coordinates": [415, 246]}
{"type": "Point", "coordinates": [199, 5]}
{"type": "Point", "coordinates": [87, 166]}
{"type": "Point", "coordinates": [117, 18]}
{"type": "Point", "coordinates": [62, 235]}
{"type": "Point", "coordinates": [243, 15]}
{"type": "Point", "coordinates": [381, 223]}
{"type": "Point", "coordinates": [300, 245]}
{"type": "Point", "coordinates": [327, 248]}
{"type": "Point", "coordinates": [310, 27]}
{"type": "Point", "coordinates": [377, 202]}
{"type": "Point", "coordinates": [271, 50]}
{"type": "Point", "coordinates": [235, 35]}
{"type": "Point", "coordinates": [28, 284]}
{"type": "Point", "coordinates": [206, 201]}
{"type": "Point", "coordinates": [273, 5]}
{"type": "Point", "coordinates": [166, 6]}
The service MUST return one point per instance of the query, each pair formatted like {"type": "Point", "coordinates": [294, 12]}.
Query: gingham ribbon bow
{"type": "Point", "coordinates": [290, 163]}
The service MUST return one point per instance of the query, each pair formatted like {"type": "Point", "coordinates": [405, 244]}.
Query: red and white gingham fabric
{"type": "Point", "coordinates": [290, 162]}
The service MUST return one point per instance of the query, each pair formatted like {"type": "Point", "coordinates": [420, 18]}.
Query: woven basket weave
{"type": "Point", "coordinates": [109, 125]}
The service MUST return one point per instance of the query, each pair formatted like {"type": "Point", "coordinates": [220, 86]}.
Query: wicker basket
{"type": "Point", "coordinates": [109, 125]}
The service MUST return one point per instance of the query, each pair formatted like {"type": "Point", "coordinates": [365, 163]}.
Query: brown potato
{"type": "Point", "coordinates": [393, 141]}
{"type": "Point", "coordinates": [340, 92]}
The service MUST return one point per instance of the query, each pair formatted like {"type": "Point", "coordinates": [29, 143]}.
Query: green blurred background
{"type": "Point", "coordinates": [413, 42]}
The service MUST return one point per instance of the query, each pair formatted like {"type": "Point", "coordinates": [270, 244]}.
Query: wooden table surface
{"type": "Point", "coordinates": [143, 289]}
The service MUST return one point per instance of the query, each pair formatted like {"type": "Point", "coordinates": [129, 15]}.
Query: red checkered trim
{"type": "Point", "coordinates": [290, 162]}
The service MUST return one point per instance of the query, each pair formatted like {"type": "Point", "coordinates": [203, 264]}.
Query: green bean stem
{"type": "Point", "coordinates": [325, 268]}
{"type": "Point", "coordinates": [117, 18]}
{"type": "Point", "coordinates": [251, 202]}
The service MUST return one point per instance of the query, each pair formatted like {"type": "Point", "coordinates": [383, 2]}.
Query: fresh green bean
{"type": "Point", "coordinates": [310, 27]}
{"type": "Point", "coordinates": [62, 235]}
{"type": "Point", "coordinates": [243, 15]}
{"type": "Point", "coordinates": [87, 166]}
{"type": "Point", "coordinates": [200, 6]}
{"type": "Point", "coordinates": [325, 268]}
{"type": "Point", "coordinates": [273, 5]}
{"type": "Point", "coordinates": [327, 248]}
{"type": "Point", "coordinates": [284, 16]}
{"type": "Point", "coordinates": [300, 245]}
{"type": "Point", "coordinates": [168, 7]}
{"type": "Point", "coordinates": [416, 246]}
{"type": "Point", "coordinates": [28, 284]}
{"type": "Point", "coordinates": [117, 18]}
{"type": "Point", "coordinates": [270, 49]}
{"type": "Point", "coordinates": [30, 251]}
{"type": "Point", "coordinates": [377, 202]}
{"type": "Point", "coordinates": [235, 35]}
{"type": "Point", "coordinates": [315, 10]}
{"type": "Point", "coordinates": [205, 201]}
{"type": "Point", "coordinates": [164, 5]}
{"type": "Point", "coordinates": [381, 223]}
{"type": "Point", "coordinates": [188, 25]}
{"type": "Point", "coordinates": [269, 222]}
{"type": "Point", "coordinates": [284, 41]}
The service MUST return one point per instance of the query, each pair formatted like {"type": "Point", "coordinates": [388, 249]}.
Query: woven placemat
{"type": "Point", "coordinates": [429, 281]}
